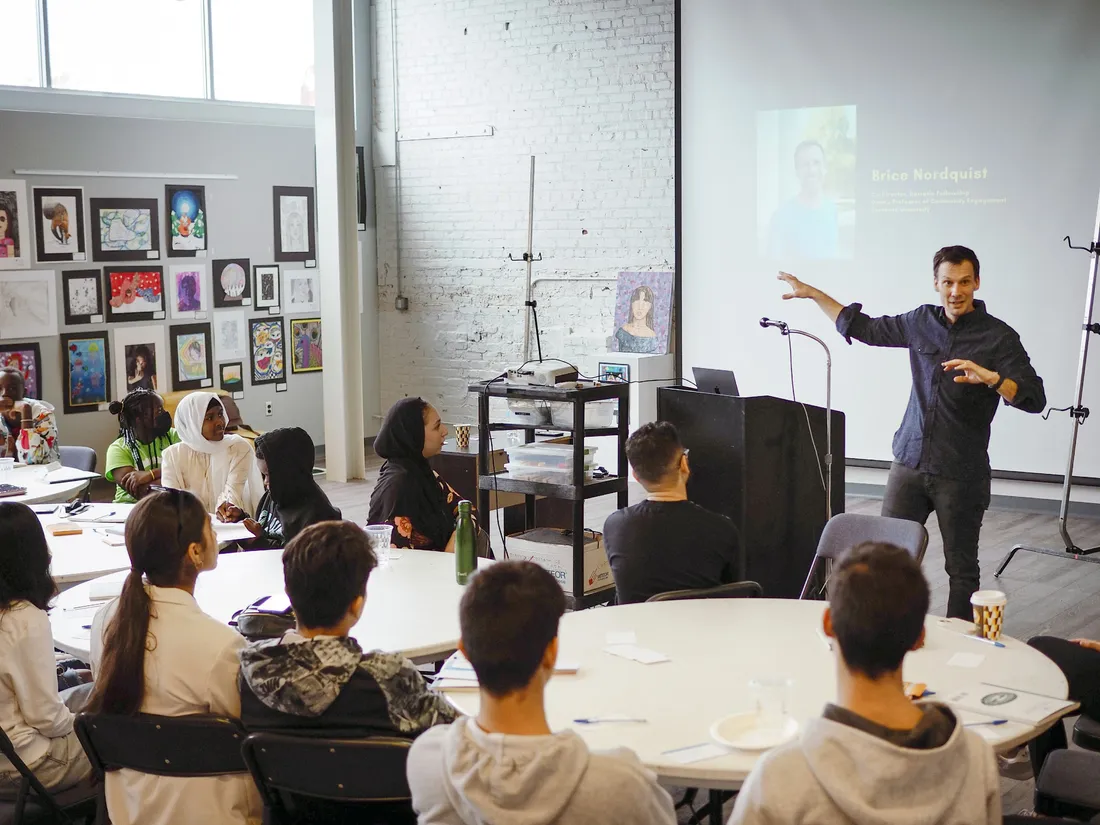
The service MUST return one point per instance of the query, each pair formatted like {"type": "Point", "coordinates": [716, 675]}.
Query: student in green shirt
{"type": "Point", "coordinates": [144, 433]}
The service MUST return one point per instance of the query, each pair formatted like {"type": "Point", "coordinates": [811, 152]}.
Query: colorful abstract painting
{"type": "Point", "coordinates": [87, 377]}
{"type": "Point", "coordinates": [186, 219]}
{"type": "Point", "coordinates": [306, 345]}
{"type": "Point", "coordinates": [267, 350]}
{"type": "Point", "coordinates": [124, 229]}
{"type": "Point", "coordinates": [134, 294]}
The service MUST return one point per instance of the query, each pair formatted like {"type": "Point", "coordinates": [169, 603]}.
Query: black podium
{"type": "Point", "coordinates": [752, 459]}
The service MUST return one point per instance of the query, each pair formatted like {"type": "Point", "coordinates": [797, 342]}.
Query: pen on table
{"type": "Point", "coordinates": [984, 641]}
{"type": "Point", "coordinates": [990, 722]}
{"type": "Point", "coordinates": [595, 720]}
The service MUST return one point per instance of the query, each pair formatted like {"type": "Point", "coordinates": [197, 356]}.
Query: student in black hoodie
{"type": "Point", "coordinates": [317, 678]}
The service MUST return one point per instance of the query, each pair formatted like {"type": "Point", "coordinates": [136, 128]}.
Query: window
{"type": "Point", "coordinates": [143, 47]}
{"type": "Point", "coordinates": [263, 51]}
{"type": "Point", "coordinates": [19, 35]}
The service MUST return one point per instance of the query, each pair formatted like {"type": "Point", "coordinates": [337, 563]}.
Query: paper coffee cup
{"type": "Point", "coordinates": [462, 435]}
{"type": "Point", "coordinates": [989, 613]}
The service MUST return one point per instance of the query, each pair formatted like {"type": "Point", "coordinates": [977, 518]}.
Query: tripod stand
{"type": "Point", "coordinates": [1078, 413]}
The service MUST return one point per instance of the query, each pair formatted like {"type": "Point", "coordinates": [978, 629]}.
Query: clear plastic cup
{"type": "Point", "coordinates": [7, 465]}
{"type": "Point", "coordinates": [772, 697]}
{"type": "Point", "coordinates": [379, 537]}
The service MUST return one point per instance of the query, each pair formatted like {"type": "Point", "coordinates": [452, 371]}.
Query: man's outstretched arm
{"type": "Point", "coordinates": [851, 322]}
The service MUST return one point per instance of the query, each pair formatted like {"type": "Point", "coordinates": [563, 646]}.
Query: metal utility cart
{"type": "Point", "coordinates": [580, 488]}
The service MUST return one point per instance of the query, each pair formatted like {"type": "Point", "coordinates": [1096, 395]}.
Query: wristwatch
{"type": "Point", "coordinates": [997, 386]}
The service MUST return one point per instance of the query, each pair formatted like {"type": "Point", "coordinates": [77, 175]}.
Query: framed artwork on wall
{"type": "Point", "coordinates": [265, 287]}
{"type": "Point", "coordinates": [232, 377]}
{"type": "Point", "coordinates": [141, 359]}
{"type": "Point", "coordinates": [305, 345]}
{"type": "Point", "coordinates": [266, 347]}
{"type": "Point", "coordinates": [232, 286]}
{"type": "Point", "coordinates": [643, 312]}
{"type": "Point", "coordinates": [15, 225]}
{"type": "Point", "coordinates": [295, 232]}
{"type": "Point", "coordinates": [28, 304]}
{"type": "Point", "coordinates": [185, 232]}
{"type": "Point", "coordinates": [86, 371]}
{"type": "Point", "coordinates": [125, 229]}
{"type": "Point", "coordinates": [134, 293]}
{"type": "Point", "coordinates": [188, 294]}
{"type": "Point", "coordinates": [26, 359]}
{"type": "Point", "coordinates": [59, 224]}
{"type": "Point", "coordinates": [82, 296]}
{"type": "Point", "coordinates": [301, 291]}
{"type": "Point", "coordinates": [192, 358]}
{"type": "Point", "coordinates": [230, 343]}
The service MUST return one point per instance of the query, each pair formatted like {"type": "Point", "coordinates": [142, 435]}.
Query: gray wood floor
{"type": "Point", "coordinates": [1045, 595]}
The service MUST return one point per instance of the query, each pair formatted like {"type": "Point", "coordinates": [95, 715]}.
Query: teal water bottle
{"type": "Point", "coordinates": [465, 544]}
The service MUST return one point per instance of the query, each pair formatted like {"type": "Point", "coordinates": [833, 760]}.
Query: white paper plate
{"type": "Point", "coordinates": [745, 732]}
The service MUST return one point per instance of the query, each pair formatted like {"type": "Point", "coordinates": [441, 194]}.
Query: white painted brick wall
{"type": "Point", "coordinates": [586, 87]}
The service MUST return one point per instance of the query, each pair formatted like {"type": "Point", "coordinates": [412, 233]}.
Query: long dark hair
{"type": "Point", "coordinates": [158, 532]}
{"type": "Point", "coordinates": [24, 558]}
{"type": "Point", "coordinates": [137, 402]}
{"type": "Point", "coordinates": [641, 292]}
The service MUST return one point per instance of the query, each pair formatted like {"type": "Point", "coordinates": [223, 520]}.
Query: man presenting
{"type": "Point", "coordinates": [963, 361]}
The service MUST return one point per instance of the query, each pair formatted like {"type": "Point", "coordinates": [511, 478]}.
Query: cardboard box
{"type": "Point", "coordinates": [552, 549]}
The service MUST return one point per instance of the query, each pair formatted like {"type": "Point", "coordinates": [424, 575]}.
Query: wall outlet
{"type": "Point", "coordinates": [267, 408]}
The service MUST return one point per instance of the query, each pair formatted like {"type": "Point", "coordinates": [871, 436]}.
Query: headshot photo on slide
{"type": "Point", "coordinates": [806, 177]}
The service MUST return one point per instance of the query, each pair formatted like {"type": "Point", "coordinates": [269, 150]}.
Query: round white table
{"type": "Point", "coordinates": [86, 555]}
{"type": "Point", "coordinates": [40, 491]}
{"type": "Point", "coordinates": [716, 646]}
{"type": "Point", "coordinates": [412, 603]}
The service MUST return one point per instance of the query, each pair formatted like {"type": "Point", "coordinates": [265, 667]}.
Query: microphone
{"type": "Point", "coordinates": [779, 325]}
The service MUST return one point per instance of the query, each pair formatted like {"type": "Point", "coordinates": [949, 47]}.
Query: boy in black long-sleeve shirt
{"type": "Point", "coordinates": [666, 542]}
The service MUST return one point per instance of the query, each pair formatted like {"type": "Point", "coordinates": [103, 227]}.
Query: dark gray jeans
{"type": "Point", "coordinates": [960, 507]}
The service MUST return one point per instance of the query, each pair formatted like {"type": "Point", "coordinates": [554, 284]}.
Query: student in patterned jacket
{"type": "Point", "coordinates": [317, 678]}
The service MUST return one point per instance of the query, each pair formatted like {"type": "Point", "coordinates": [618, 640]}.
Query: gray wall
{"type": "Point", "coordinates": [240, 222]}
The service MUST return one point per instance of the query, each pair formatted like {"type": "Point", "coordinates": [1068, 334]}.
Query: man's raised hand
{"type": "Point", "coordinates": [798, 289]}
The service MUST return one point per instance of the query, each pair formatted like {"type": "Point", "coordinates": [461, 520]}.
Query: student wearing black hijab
{"type": "Point", "coordinates": [410, 495]}
{"type": "Point", "coordinates": [293, 500]}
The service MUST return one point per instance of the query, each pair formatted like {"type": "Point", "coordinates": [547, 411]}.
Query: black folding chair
{"type": "Point", "coordinates": [198, 745]}
{"type": "Point", "coordinates": [845, 530]}
{"type": "Point", "coordinates": [80, 458]}
{"type": "Point", "coordinates": [352, 780]}
{"type": "Point", "coordinates": [34, 804]}
{"type": "Point", "coordinates": [733, 590]}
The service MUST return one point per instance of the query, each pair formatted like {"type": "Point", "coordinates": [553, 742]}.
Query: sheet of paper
{"type": "Point", "coordinates": [695, 753]}
{"type": "Point", "coordinates": [228, 531]}
{"type": "Point", "coordinates": [621, 637]}
{"type": "Point", "coordinates": [637, 654]}
{"type": "Point", "coordinates": [966, 660]}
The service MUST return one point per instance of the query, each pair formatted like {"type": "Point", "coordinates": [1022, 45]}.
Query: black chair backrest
{"type": "Point", "coordinates": [78, 458]}
{"type": "Point", "coordinates": [845, 530]}
{"type": "Point", "coordinates": [28, 783]}
{"type": "Point", "coordinates": [199, 745]}
{"type": "Point", "coordinates": [345, 770]}
{"type": "Point", "coordinates": [734, 590]}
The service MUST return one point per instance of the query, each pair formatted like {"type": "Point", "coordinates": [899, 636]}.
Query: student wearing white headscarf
{"type": "Point", "coordinates": [215, 466]}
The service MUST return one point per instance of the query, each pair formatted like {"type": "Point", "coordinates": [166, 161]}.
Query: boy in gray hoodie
{"type": "Point", "coordinates": [506, 767]}
{"type": "Point", "coordinates": [875, 757]}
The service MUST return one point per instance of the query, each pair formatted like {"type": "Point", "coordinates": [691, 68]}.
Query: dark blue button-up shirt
{"type": "Point", "coordinates": [945, 430]}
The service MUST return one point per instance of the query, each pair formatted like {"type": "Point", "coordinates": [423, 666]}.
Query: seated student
{"type": "Point", "coordinates": [28, 428]}
{"type": "Point", "coordinates": [144, 433]}
{"type": "Point", "coordinates": [214, 466]}
{"type": "Point", "coordinates": [154, 651]}
{"type": "Point", "coordinates": [32, 714]}
{"type": "Point", "coordinates": [876, 756]}
{"type": "Point", "coordinates": [293, 499]}
{"type": "Point", "coordinates": [666, 542]}
{"type": "Point", "coordinates": [319, 678]}
{"type": "Point", "coordinates": [507, 766]}
{"type": "Point", "coordinates": [1079, 660]}
{"type": "Point", "coordinates": [410, 495]}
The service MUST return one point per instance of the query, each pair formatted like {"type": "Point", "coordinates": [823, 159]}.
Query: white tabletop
{"type": "Point", "coordinates": [38, 490]}
{"type": "Point", "coordinates": [412, 603]}
{"type": "Point", "coordinates": [716, 646]}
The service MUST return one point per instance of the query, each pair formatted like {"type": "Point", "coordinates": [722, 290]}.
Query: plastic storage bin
{"type": "Point", "coordinates": [545, 455]}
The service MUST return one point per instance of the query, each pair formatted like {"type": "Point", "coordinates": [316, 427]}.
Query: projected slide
{"type": "Point", "coordinates": [806, 167]}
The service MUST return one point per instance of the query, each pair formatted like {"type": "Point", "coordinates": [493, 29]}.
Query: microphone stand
{"type": "Point", "coordinates": [784, 329]}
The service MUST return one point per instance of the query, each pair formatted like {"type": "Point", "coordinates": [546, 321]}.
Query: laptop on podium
{"type": "Point", "coordinates": [719, 382]}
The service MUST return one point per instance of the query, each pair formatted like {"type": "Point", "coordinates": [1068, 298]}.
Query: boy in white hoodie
{"type": "Point", "coordinates": [505, 766]}
{"type": "Point", "coordinates": [875, 757]}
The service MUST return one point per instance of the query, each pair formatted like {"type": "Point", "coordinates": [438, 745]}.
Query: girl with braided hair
{"type": "Point", "coordinates": [144, 433]}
